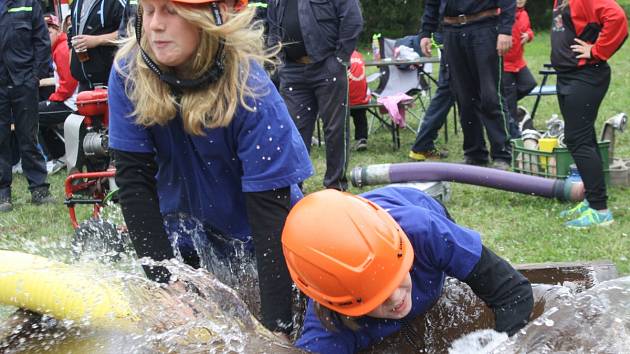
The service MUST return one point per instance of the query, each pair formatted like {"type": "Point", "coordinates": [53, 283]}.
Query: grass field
{"type": "Point", "coordinates": [522, 228]}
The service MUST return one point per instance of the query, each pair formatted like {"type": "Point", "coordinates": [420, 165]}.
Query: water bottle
{"type": "Point", "coordinates": [574, 174]}
{"type": "Point", "coordinates": [376, 50]}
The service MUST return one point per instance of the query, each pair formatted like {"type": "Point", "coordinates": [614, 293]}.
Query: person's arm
{"type": "Point", "coordinates": [67, 83]}
{"type": "Point", "coordinates": [267, 212]}
{"type": "Point", "coordinates": [274, 28]}
{"type": "Point", "coordinates": [506, 16]}
{"type": "Point", "coordinates": [135, 177]}
{"type": "Point", "coordinates": [88, 41]}
{"type": "Point", "coordinates": [350, 27]}
{"type": "Point", "coordinates": [458, 252]}
{"type": "Point", "coordinates": [430, 18]}
{"type": "Point", "coordinates": [528, 25]}
{"type": "Point", "coordinates": [41, 43]}
{"type": "Point", "coordinates": [506, 291]}
{"type": "Point", "coordinates": [614, 30]}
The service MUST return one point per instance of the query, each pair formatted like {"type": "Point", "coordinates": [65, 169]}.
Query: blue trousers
{"type": "Point", "coordinates": [436, 113]}
{"type": "Point", "coordinates": [20, 104]}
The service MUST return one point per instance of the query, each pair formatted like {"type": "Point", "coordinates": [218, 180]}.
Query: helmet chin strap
{"type": "Point", "coordinates": [212, 75]}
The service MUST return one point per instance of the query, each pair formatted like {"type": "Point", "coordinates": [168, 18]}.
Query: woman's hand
{"type": "Point", "coordinates": [582, 48]}
{"type": "Point", "coordinates": [83, 42]}
{"type": "Point", "coordinates": [524, 37]}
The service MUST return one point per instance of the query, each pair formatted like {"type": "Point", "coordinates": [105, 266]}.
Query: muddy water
{"type": "Point", "coordinates": [459, 311]}
{"type": "Point", "coordinates": [201, 315]}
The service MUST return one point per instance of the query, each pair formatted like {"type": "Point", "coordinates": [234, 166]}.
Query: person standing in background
{"type": "Point", "coordinates": [477, 33]}
{"type": "Point", "coordinates": [318, 39]}
{"type": "Point", "coordinates": [95, 25]}
{"type": "Point", "coordinates": [518, 81]}
{"type": "Point", "coordinates": [24, 59]}
{"type": "Point", "coordinates": [62, 102]}
{"type": "Point", "coordinates": [435, 116]}
{"type": "Point", "coordinates": [584, 35]}
{"type": "Point", "coordinates": [358, 94]}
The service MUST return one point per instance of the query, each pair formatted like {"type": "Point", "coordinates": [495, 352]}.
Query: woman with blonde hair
{"type": "Point", "coordinates": [207, 157]}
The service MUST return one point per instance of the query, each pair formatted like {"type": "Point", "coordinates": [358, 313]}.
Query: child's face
{"type": "Point", "coordinates": [520, 3]}
{"type": "Point", "coordinates": [398, 304]}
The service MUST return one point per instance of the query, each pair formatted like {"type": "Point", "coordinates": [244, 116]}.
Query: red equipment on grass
{"type": "Point", "coordinates": [91, 178]}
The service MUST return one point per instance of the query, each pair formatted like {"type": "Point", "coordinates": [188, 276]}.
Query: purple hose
{"type": "Point", "coordinates": [479, 176]}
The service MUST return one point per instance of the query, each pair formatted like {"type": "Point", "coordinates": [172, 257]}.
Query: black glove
{"type": "Point", "coordinates": [504, 289]}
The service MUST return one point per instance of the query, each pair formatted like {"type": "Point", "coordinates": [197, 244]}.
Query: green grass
{"type": "Point", "coordinates": [521, 228]}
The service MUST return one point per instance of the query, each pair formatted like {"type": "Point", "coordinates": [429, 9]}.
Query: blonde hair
{"type": "Point", "coordinates": [212, 106]}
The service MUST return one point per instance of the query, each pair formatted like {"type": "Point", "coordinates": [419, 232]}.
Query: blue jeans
{"type": "Point", "coordinates": [436, 113]}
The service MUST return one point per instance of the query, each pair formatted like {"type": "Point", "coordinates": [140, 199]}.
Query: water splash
{"type": "Point", "coordinates": [197, 313]}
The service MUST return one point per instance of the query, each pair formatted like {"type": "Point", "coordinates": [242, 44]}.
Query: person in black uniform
{"type": "Point", "coordinates": [584, 35]}
{"type": "Point", "coordinates": [95, 25]}
{"type": "Point", "coordinates": [24, 59]}
{"type": "Point", "coordinates": [476, 35]}
{"type": "Point", "coordinates": [319, 38]}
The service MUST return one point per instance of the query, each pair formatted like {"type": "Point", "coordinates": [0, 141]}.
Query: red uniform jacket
{"type": "Point", "coordinates": [357, 82]}
{"type": "Point", "coordinates": [66, 85]}
{"type": "Point", "coordinates": [604, 20]}
{"type": "Point", "coordinates": [513, 60]}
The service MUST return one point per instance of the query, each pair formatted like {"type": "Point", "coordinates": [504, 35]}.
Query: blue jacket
{"type": "Point", "coordinates": [435, 10]}
{"type": "Point", "coordinates": [24, 42]}
{"type": "Point", "coordinates": [441, 248]}
{"type": "Point", "coordinates": [329, 27]}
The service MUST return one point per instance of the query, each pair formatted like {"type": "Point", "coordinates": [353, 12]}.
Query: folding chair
{"type": "Point", "coordinates": [413, 81]}
{"type": "Point", "coordinates": [394, 80]}
{"type": "Point", "coordinates": [543, 89]}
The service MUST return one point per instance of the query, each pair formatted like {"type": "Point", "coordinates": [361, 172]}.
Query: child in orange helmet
{"type": "Point", "coordinates": [380, 259]}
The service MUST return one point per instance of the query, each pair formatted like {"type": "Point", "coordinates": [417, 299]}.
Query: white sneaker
{"type": "Point", "coordinates": [55, 166]}
{"type": "Point", "coordinates": [17, 168]}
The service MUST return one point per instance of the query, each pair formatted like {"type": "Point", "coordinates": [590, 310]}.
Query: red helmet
{"type": "Point", "coordinates": [344, 251]}
{"type": "Point", "coordinates": [238, 4]}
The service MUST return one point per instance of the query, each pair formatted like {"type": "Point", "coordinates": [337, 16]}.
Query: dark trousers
{"type": "Point", "coordinates": [20, 103]}
{"type": "Point", "coordinates": [359, 118]}
{"type": "Point", "coordinates": [475, 69]}
{"type": "Point", "coordinates": [320, 89]}
{"type": "Point", "coordinates": [580, 93]}
{"type": "Point", "coordinates": [436, 113]}
{"type": "Point", "coordinates": [51, 115]}
{"type": "Point", "coordinates": [516, 86]}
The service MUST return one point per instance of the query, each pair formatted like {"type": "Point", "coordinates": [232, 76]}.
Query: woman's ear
{"type": "Point", "coordinates": [225, 6]}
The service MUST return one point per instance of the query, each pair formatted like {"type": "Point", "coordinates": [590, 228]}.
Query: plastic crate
{"type": "Point", "coordinates": [553, 164]}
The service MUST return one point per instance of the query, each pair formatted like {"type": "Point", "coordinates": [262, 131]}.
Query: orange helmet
{"type": "Point", "coordinates": [238, 4]}
{"type": "Point", "coordinates": [344, 251]}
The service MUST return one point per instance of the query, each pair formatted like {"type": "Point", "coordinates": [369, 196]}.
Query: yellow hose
{"type": "Point", "coordinates": [63, 291]}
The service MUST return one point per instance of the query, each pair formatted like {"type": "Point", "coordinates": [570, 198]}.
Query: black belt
{"type": "Point", "coordinates": [465, 19]}
{"type": "Point", "coordinates": [302, 60]}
